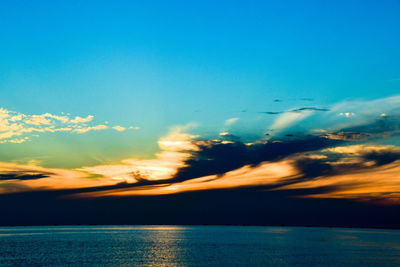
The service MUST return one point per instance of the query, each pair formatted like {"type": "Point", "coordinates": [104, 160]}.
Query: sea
{"type": "Point", "coordinates": [197, 246]}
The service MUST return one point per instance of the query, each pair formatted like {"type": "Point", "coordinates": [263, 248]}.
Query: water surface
{"type": "Point", "coordinates": [198, 246]}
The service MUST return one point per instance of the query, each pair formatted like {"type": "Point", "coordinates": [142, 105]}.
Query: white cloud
{"type": "Point", "coordinates": [373, 107]}
{"type": "Point", "coordinates": [15, 141]}
{"type": "Point", "coordinates": [231, 121]}
{"type": "Point", "coordinates": [178, 139]}
{"type": "Point", "coordinates": [90, 128]}
{"type": "Point", "coordinates": [14, 124]}
{"type": "Point", "coordinates": [82, 120]}
{"type": "Point", "coordinates": [119, 128]}
{"type": "Point", "coordinates": [37, 120]}
{"type": "Point", "coordinates": [16, 117]}
{"type": "Point", "coordinates": [358, 112]}
{"type": "Point", "coordinates": [176, 147]}
{"type": "Point", "coordinates": [347, 114]}
{"type": "Point", "coordinates": [63, 119]}
{"type": "Point", "coordinates": [289, 118]}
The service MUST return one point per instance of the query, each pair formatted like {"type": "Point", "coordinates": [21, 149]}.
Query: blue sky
{"type": "Point", "coordinates": [164, 63]}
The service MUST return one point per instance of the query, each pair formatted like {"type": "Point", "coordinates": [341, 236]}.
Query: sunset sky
{"type": "Point", "coordinates": [121, 98]}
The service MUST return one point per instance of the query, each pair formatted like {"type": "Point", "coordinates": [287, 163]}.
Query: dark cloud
{"type": "Point", "coordinates": [230, 137]}
{"type": "Point", "coordinates": [311, 168]}
{"type": "Point", "coordinates": [348, 136]}
{"type": "Point", "coordinates": [309, 108]}
{"type": "Point", "coordinates": [216, 158]}
{"type": "Point", "coordinates": [307, 99]}
{"type": "Point", "coordinates": [382, 157]}
{"type": "Point", "coordinates": [384, 125]}
{"type": "Point", "coordinates": [23, 175]}
{"type": "Point", "coordinates": [333, 163]}
{"type": "Point", "coordinates": [277, 100]}
{"type": "Point", "coordinates": [271, 112]}
{"type": "Point", "coordinates": [294, 110]}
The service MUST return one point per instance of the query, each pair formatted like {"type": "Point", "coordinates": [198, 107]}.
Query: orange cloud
{"type": "Point", "coordinates": [30, 177]}
{"type": "Point", "coordinates": [353, 171]}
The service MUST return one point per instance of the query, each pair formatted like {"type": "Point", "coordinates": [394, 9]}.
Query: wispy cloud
{"type": "Point", "coordinates": [287, 119]}
{"type": "Point", "coordinates": [231, 121]}
{"type": "Point", "coordinates": [90, 128]}
{"type": "Point", "coordinates": [119, 128]}
{"type": "Point", "coordinates": [78, 119]}
{"type": "Point", "coordinates": [17, 127]}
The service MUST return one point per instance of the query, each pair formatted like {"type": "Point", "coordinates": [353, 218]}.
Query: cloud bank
{"type": "Point", "coordinates": [338, 156]}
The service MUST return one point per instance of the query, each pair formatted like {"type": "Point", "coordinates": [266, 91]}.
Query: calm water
{"type": "Point", "coordinates": [197, 246]}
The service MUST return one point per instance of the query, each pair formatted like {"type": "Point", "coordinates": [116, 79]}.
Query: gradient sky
{"type": "Point", "coordinates": [98, 90]}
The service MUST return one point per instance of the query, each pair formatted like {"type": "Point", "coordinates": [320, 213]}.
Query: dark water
{"type": "Point", "coordinates": [197, 246]}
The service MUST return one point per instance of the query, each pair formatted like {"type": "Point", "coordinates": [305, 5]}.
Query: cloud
{"type": "Point", "coordinates": [184, 158]}
{"type": "Point", "coordinates": [380, 154]}
{"type": "Point", "coordinates": [18, 128]}
{"type": "Point", "coordinates": [354, 178]}
{"type": "Point", "coordinates": [90, 128]}
{"type": "Point", "coordinates": [291, 117]}
{"type": "Point", "coordinates": [324, 159]}
{"type": "Point", "coordinates": [364, 119]}
{"type": "Point", "coordinates": [176, 147]}
{"type": "Point", "coordinates": [16, 117]}
{"type": "Point", "coordinates": [188, 163]}
{"type": "Point", "coordinates": [359, 112]}
{"type": "Point", "coordinates": [15, 141]}
{"type": "Point", "coordinates": [82, 120]}
{"type": "Point", "coordinates": [271, 112]}
{"type": "Point", "coordinates": [347, 159]}
{"type": "Point", "coordinates": [347, 114]}
{"type": "Point", "coordinates": [231, 121]}
{"type": "Point", "coordinates": [119, 128]}
{"type": "Point", "coordinates": [162, 167]}
{"type": "Point", "coordinates": [288, 119]}
{"type": "Point", "coordinates": [37, 120]}
{"type": "Point", "coordinates": [217, 158]}
{"type": "Point", "coordinates": [44, 119]}
{"type": "Point", "coordinates": [309, 108]}
{"type": "Point", "coordinates": [297, 110]}
{"type": "Point", "coordinates": [23, 175]}
{"type": "Point", "coordinates": [307, 99]}
{"type": "Point", "coordinates": [63, 119]}
{"type": "Point", "coordinates": [342, 177]}
{"type": "Point", "coordinates": [178, 139]}
{"type": "Point", "coordinates": [347, 136]}
{"type": "Point", "coordinates": [31, 177]}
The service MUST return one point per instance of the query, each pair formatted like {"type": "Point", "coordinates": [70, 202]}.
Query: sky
{"type": "Point", "coordinates": [158, 98]}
